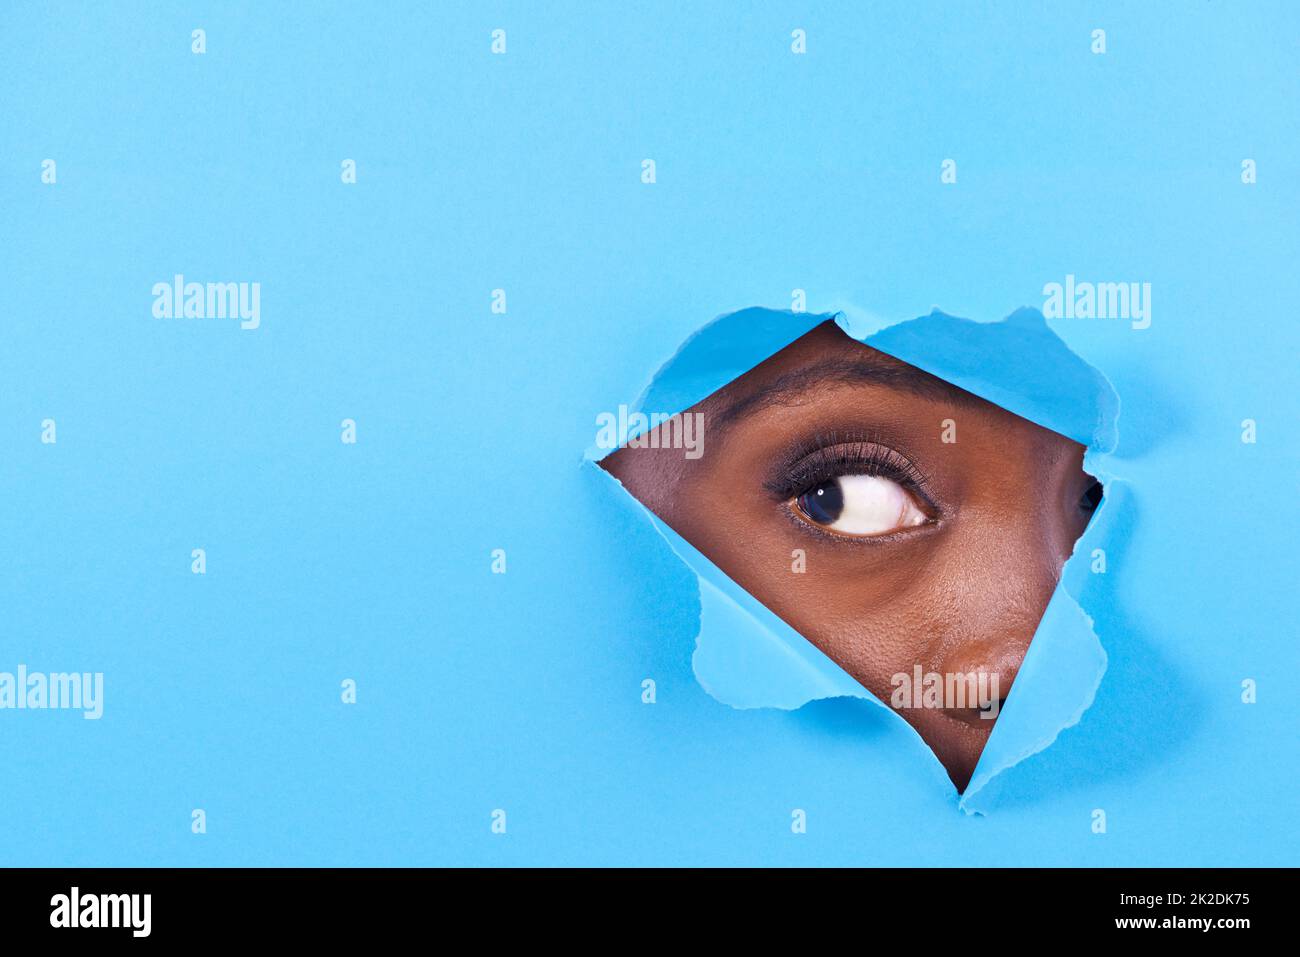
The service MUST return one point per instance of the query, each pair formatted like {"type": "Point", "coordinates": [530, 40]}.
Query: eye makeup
{"type": "Point", "coordinates": [826, 456]}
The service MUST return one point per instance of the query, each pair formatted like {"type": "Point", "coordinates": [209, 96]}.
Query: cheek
{"type": "Point", "coordinates": [889, 636]}
{"type": "Point", "coordinates": [876, 610]}
{"type": "Point", "coordinates": [874, 614]}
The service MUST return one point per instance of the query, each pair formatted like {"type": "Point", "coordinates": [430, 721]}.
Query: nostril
{"type": "Point", "coordinates": [992, 709]}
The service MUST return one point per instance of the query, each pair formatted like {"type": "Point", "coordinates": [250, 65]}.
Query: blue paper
{"type": "Point", "coordinates": [523, 691]}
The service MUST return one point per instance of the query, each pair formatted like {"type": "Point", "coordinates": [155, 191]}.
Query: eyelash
{"type": "Point", "coordinates": [830, 455]}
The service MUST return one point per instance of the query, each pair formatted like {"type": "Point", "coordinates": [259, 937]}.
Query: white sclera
{"type": "Point", "coordinates": [874, 506]}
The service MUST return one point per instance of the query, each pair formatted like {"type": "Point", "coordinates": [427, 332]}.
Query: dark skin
{"type": "Point", "coordinates": [916, 550]}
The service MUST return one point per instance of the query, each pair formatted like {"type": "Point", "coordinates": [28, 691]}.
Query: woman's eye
{"type": "Point", "coordinates": [1091, 498]}
{"type": "Point", "coordinates": [860, 505]}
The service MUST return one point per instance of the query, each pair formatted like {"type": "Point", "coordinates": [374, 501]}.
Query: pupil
{"type": "Point", "coordinates": [823, 503]}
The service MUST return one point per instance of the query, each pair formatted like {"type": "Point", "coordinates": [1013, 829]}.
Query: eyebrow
{"type": "Point", "coordinates": [790, 387]}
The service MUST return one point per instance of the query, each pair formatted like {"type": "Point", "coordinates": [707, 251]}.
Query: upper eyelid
{"type": "Point", "coordinates": [903, 472]}
{"type": "Point", "coordinates": [886, 461]}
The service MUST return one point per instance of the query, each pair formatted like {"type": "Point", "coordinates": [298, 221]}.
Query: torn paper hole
{"type": "Point", "coordinates": [883, 516]}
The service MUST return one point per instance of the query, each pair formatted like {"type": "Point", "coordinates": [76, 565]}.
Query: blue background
{"type": "Point", "coordinates": [522, 691]}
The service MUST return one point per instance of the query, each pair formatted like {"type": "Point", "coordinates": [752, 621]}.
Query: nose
{"type": "Point", "coordinates": [988, 669]}
{"type": "Point", "coordinates": [996, 605]}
